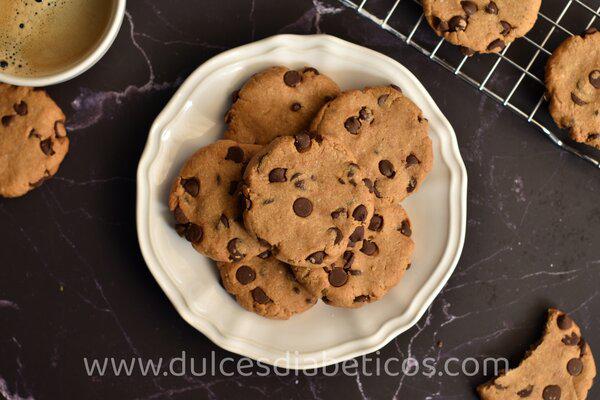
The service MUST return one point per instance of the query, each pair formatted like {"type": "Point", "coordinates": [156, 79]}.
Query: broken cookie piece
{"type": "Point", "coordinates": [560, 367]}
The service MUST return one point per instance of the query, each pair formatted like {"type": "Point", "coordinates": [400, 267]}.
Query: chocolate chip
{"type": "Point", "coordinates": [234, 252]}
{"type": "Point", "coordinates": [571, 340]}
{"type": "Point", "coordinates": [302, 207]}
{"type": "Point", "coordinates": [564, 322]}
{"type": "Point", "coordinates": [412, 184]}
{"type": "Point", "coordinates": [302, 142]}
{"type": "Point", "coordinates": [295, 107]}
{"type": "Point", "coordinates": [593, 136]}
{"type": "Point", "coordinates": [589, 31]}
{"type": "Point", "coordinates": [235, 96]}
{"type": "Point", "coordinates": [3, 64]}
{"type": "Point", "coordinates": [260, 296]}
{"type": "Point", "coordinates": [467, 51]}
{"type": "Point", "coordinates": [396, 87]}
{"type": "Point", "coordinates": [369, 248]}
{"type": "Point", "coordinates": [360, 213]}
{"type": "Point", "coordinates": [574, 366]}
{"type": "Point", "coordinates": [310, 69]}
{"type": "Point", "coordinates": [265, 254]}
{"type": "Point", "coordinates": [21, 108]}
{"type": "Point", "coordinates": [387, 169]}
{"type": "Point", "coordinates": [352, 125]}
{"type": "Point", "coordinates": [412, 160]}
{"type": "Point", "coordinates": [338, 234]}
{"type": "Point", "coordinates": [382, 99]}
{"type": "Point", "coordinates": [358, 234]}
{"type": "Point", "coordinates": [7, 119]}
{"type": "Point", "coordinates": [496, 44]}
{"type": "Point", "coordinates": [34, 134]}
{"type": "Point", "coordinates": [582, 346]}
{"type": "Point", "coordinates": [316, 257]}
{"type": "Point", "coordinates": [405, 228]}
{"type": "Point", "coordinates": [235, 154]}
{"type": "Point", "coordinates": [299, 184]}
{"type": "Point", "coordinates": [348, 259]}
{"type": "Point", "coordinates": [439, 24]}
{"type": "Point", "coordinates": [191, 186]}
{"type": "Point", "coordinates": [365, 114]}
{"type": "Point", "coordinates": [595, 78]}
{"type": "Point", "coordinates": [376, 223]}
{"type": "Point", "coordinates": [369, 184]}
{"type": "Point", "coordinates": [296, 290]}
{"type": "Point", "coordinates": [526, 392]}
{"type": "Point", "coordinates": [457, 23]}
{"type": "Point", "coordinates": [292, 78]}
{"type": "Point", "coordinates": [46, 146]}
{"type": "Point", "coordinates": [551, 392]}
{"type": "Point", "coordinates": [277, 175]}
{"type": "Point", "coordinates": [180, 216]}
{"type": "Point", "coordinates": [325, 300]}
{"type": "Point", "coordinates": [469, 6]}
{"type": "Point", "coordinates": [577, 100]}
{"type": "Point", "coordinates": [506, 28]}
{"type": "Point", "coordinates": [338, 277]}
{"type": "Point", "coordinates": [361, 299]}
{"type": "Point", "coordinates": [224, 221]}
{"type": "Point", "coordinates": [491, 8]}
{"type": "Point", "coordinates": [245, 275]}
{"type": "Point", "coordinates": [233, 185]}
{"type": "Point", "coordinates": [193, 233]}
{"type": "Point", "coordinates": [336, 214]}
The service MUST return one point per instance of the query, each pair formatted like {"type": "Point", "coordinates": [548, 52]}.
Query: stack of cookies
{"type": "Point", "coordinates": [302, 199]}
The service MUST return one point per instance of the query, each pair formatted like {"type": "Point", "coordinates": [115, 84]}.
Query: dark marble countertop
{"type": "Point", "coordinates": [73, 283]}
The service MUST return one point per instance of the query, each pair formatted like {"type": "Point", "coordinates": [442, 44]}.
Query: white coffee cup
{"type": "Point", "coordinates": [95, 53]}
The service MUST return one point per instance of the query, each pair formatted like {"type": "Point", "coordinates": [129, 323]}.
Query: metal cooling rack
{"type": "Point", "coordinates": [514, 77]}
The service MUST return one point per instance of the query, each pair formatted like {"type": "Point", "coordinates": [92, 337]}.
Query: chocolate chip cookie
{"type": "Point", "coordinates": [304, 197]}
{"type": "Point", "coordinates": [561, 366]}
{"type": "Point", "coordinates": [204, 201]}
{"type": "Point", "coordinates": [33, 139]}
{"type": "Point", "coordinates": [374, 262]}
{"type": "Point", "coordinates": [481, 26]}
{"type": "Point", "coordinates": [388, 134]}
{"type": "Point", "coordinates": [266, 286]}
{"type": "Point", "coordinates": [277, 102]}
{"type": "Point", "coordinates": [573, 87]}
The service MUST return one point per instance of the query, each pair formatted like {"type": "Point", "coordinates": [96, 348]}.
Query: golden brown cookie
{"type": "Point", "coordinates": [560, 367]}
{"type": "Point", "coordinates": [33, 139]}
{"type": "Point", "coordinates": [388, 134]}
{"type": "Point", "coordinates": [277, 102]}
{"type": "Point", "coordinates": [481, 26]}
{"type": "Point", "coordinates": [204, 201]}
{"type": "Point", "coordinates": [304, 197]}
{"type": "Point", "coordinates": [375, 261]}
{"type": "Point", "coordinates": [573, 87]}
{"type": "Point", "coordinates": [267, 287]}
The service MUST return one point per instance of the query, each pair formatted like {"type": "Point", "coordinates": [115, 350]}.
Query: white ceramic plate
{"type": "Point", "coordinates": [324, 335]}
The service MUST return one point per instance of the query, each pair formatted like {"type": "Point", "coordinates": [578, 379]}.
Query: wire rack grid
{"type": "Point", "coordinates": [515, 76]}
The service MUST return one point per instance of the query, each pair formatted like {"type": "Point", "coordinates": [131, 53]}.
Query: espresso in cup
{"type": "Point", "coordinates": [44, 37]}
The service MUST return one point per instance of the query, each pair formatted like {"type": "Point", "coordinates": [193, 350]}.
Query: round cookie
{"type": "Point", "coordinates": [33, 139]}
{"type": "Point", "coordinates": [573, 87]}
{"type": "Point", "coordinates": [277, 102]}
{"type": "Point", "coordinates": [204, 201]}
{"type": "Point", "coordinates": [266, 286]}
{"type": "Point", "coordinates": [388, 134]}
{"type": "Point", "coordinates": [373, 264]}
{"type": "Point", "coordinates": [560, 366]}
{"type": "Point", "coordinates": [304, 196]}
{"type": "Point", "coordinates": [481, 26]}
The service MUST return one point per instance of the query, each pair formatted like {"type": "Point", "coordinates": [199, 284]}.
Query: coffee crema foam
{"type": "Point", "coordinates": [43, 37]}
